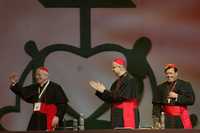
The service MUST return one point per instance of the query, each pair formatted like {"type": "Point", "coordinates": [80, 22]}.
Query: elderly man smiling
{"type": "Point", "coordinates": [47, 97]}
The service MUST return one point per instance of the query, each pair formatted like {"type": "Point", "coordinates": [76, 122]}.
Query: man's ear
{"type": "Point", "coordinates": [143, 45]}
{"type": "Point", "coordinates": [177, 74]}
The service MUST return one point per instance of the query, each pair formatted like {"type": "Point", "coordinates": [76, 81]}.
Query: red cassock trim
{"type": "Point", "coordinates": [180, 111]}
{"type": "Point", "coordinates": [128, 108]}
{"type": "Point", "coordinates": [50, 111]}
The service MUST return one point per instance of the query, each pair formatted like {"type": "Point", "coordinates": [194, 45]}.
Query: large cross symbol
{"type": "Point", "coordinates": [85, 49]}
{"type": "Point", "coordinates": [85, 13]}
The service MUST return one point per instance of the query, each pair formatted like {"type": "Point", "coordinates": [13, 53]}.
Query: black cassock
{"type": "Point", "coordinates": [53, 94]}
{"type": "Point", "coordinates": [185, 97]}
{"type": "Point", "coordinates": [123, 92]}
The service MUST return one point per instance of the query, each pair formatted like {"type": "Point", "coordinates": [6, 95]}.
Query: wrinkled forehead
{"type": "Point", "coordinates": [40, 71]}
{"type": "Point", "coordinates": [114, 64]}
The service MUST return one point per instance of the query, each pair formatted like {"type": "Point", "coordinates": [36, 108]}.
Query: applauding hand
{"type": "Point", "coordinates": [97, 86]}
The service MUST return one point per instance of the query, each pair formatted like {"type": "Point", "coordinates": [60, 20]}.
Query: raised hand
{"type": "Point", "coordinates": [13, 78]}
{"type": "Point", "coordinates": [97, 86]}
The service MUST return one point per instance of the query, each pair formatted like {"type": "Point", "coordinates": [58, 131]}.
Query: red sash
{"type": "Point", "coordinates": [180, 111]}
{"type": "Point", "coordinates": [128, 108]}
{"type": "Point", "coordinates": [50, 111]}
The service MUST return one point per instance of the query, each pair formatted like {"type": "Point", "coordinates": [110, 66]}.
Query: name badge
{"type": "Point", "coordinates": [37, 107]}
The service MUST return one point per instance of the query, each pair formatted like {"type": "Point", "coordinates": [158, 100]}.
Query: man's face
{"type": "Point", "coordinates": [171, 75]}
{"type": "Point", "coordinates": [40, 76]}
{"type": "Point", "coordinates": [116, 68]}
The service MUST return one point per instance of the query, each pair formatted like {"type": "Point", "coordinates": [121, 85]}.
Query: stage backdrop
{"type": "Point", "coordinates": [77, 49]}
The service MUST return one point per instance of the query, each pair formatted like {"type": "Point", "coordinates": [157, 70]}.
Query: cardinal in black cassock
{"type": "Point", "coordinates": [122, 96]}
{"type": "Point", "coordinates": [48, 99]}
{"type": "Point", "coordinates": [172, 98]}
